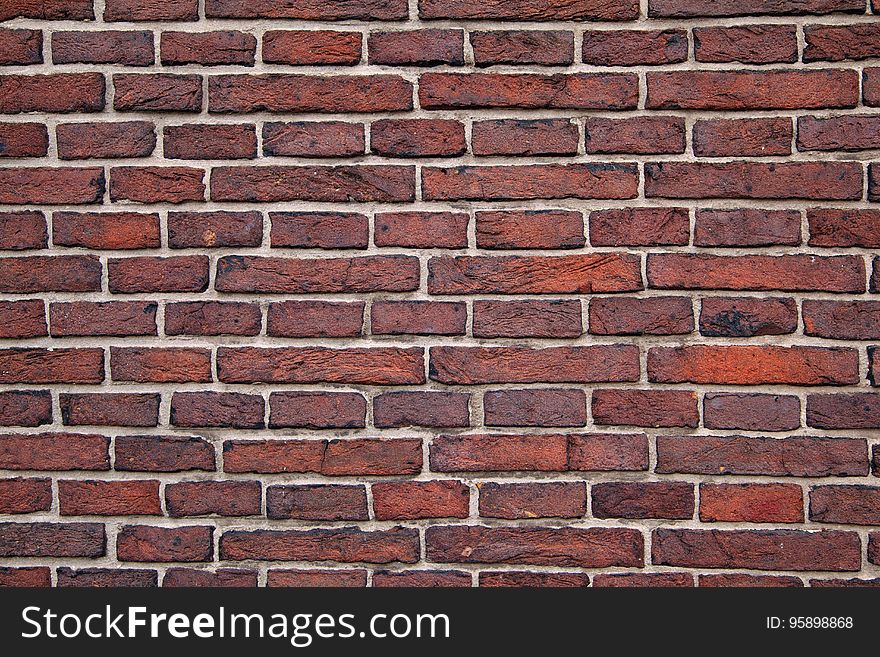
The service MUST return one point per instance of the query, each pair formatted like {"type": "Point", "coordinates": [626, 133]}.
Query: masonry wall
{"type": "Point", "coordinates": [464, 292]}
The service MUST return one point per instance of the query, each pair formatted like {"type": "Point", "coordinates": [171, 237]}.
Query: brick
{"type": "Point", "coordinates": [25, 408]}
{"type": "Point", "coordinates": [27, 577]}
{"type": "Point", "coordinates": [54, 451]}
{"type": "Point", "coordinates": [742, 137]}
{"type": "Point", "coordinates": [209, 142]}
{"type": "Point", "coordinates": [51, 10]}
{"type": "Point", "coordinates": [747, 227]}
{"type": "Point", "coordinates": [789, 273]}
{"type": "Point", "coordinates": [321, 230]}
{"type": "Point", "coordinates": [217, 409]}
{"type": "Point", "coordinates": [840, 133]}
{"type": "Point", "coordinates": [842, 320]}
{"type": "Point", "coordinates": [745, 317]}
{"type": "Point", "coordinates": [640, 227]}
{"type": "Point", "coordinates": [107, 577]}
{"type": "Point", "coordinates": [634, 47]}
{"type": "Point", "coordinates": [414, 500]}
{"type": "Point", "coordinates": [163, 454]}
{"type": "Point", "coordinates": [24, 229]}
{"type": "Point", "coordinates": [748, 90]}
{"type": "Point", "coordinates": [301, 319]}
{"type": "Point", "coordinates": [314, 577]}
{"type": "Point", "coordinates": [160, 364]}
{"type": "Point", "coordinates": [630, 316]}
{"type": "Point", "coordinates": [157, 184]}
{"type": "Point", "coordinates": [109, 498]}
{"type": "Point", "coordinates": [317, 502]}
{"type": "Point", "coordinates": [311, 47]}
{"type": "Point", "coordinates": [208, 48]}
{"type": "Point", "coordinates": [421, 409]}
{"type": "Point", "coordinates": [287, 92]}
{"type": "Point", "coordinates": [345, 545]}
{"type": "Point", "coordinates": [845, 583]}
{"type": "Point", "coordinates": [587, 364]}
{"type": "Point", "coordinates": [51, 185]}
{"type": "Point", "coordinates": [214, 229]}
{"type": "Point", "coordinates": [529, 579]}
{"type": "Point", "coordinates": [386, 10]}
{"type": "Point", "coordinates": [757, 550]}
{"type": "Point", "coordinates": [222, 498]}
{"type": "Point", "coordinates": [597, 547]}
{"type": "Point", "coordinates": [530, 229]}
{"type": "Point", "coordinates": [103, 47]}
{"type": "Point", "coordinates": [533, 500]}
{"type": "Point", "coordinates": [871, 87]}
{"type": "Point", "coordinates": [834, 43]}
{"type": "Point", "coordinates": [417, 137]}
{"type": "Point", "coordinates": [499, 453]}
{"type": "Point", "coordinates": [649, 580]}
{"type": "Point", "coordinates": [692, 8]}
{"type": "Point", "coordinates": [636, 135]}
{"type": "Point", "coordinates": [102, 318]}
{"type": "Point", "coordinates": [36, 365]}
{"type": "Point", "coordinates": [751, 411]}
{"type": "Point", "coordinates": [545, 407]}
{"type": "Point", "coordinates": [645, 408]}
{"type": "Point", "coordinates": [422, 578]}
{"type": "Point", "coordinates": [212, 318]}
{"type": "Point", "coordinates": [600, 452]}
{"type": "Point", "coordinates": [157, 92]}
{"type": "Point", "coordinates": [57, 92]}
{"type": "Point", "coordinates": [421, 230]}
{"type": "Point", "coordinates": [527, 10]}
{"type": "Point", "coordinates": [850, 505]}
{"type": "Point", "coordinates": [23, 140]}
{"type": "Point", "coordinates": [604, 91]}
{"type": "Point", "coordinates": [160, 10]}
{"type": "Point", "coordinates": [317, 410]}
{"type": "Point", "coordinates": [158, 274]}
{"type": "Point", "coordinates": [727, 580]}
{"type": "Point", "coordinates": [375, 366]}
{"type": "Point", "coordinates": [748, 44]}
{"type": "Point", "coordinates": [22, 319]}
{"type": "Point", "coordinates": [874, 366]}
{"type": "Point", "coordinates": [524, 137]}
{"type": "Point", "coordinates": [849, 227]}
{"type": "Point", "coordinates": [21, 47]}
{"type": "Point", "coordinates": [515, 319]}
{"type": "Point", "coordinates": [543, 47]}
{"type": "Point", "coordinates": [25, 495]}
{"type": "Point", "coordinates": [673, 500]}
{"type": "Point", "coordinates": [110, 409]}
{"type": "Point", "coordinates": [418, 318]}
{"type": "Point", "coordinates": [740, 455]}
{"type": "Point", "coordinates": [574, 274]}
{"type": "Point", "coordinates": [873, 182]}
{"type": "Point", "coordinates": [844, 411]}
{"type": "Point", "coordinates": [51, 539]}
{"type": "Point", "coordinates": [106, 230]}
{"type": "Point", "coordinates": [165, 544]}
{"type": "Point", "coordinates": [220, 578]}
{"type": "Point", "coordinates": [428, 47]}
{"type": "Point", "coordinates": [313, 139]}
{"type": "Point", "coordinates": [779, 503]}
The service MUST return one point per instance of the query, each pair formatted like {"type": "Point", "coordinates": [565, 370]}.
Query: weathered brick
{"type": "Point", "coordinates": [546, 407]}
{"type": "Point", "coordinates": [745, 317]}
{"type": "Point", "coordinates": [222, 498]}
{"type": "Point", "coordinates": [56, 92]}
{"type": "Point", "coordinates": [23, 140]}
{"type": "Point", "coordinates": [524, 137]}
{"type": "Point", "coordinates": [311, 47]}
{"type": "Point", "coordinates": [544, 47]}
{"type": "Point", "coordinates": [208, 48]}
{"type": "Point", "coordinates": [533, 500]}
{"type": "Point", "coordinates": [217, 409]}
{"type": "Point", "coordinates": [640, 227]}
{"type": "Point", "coordinates": [413, 500]}
{"type": "Point", "coordinates": [849, 505]}
{"type": "Point", "coordinates": [751, 412]}
{"type": "Point", "coordinates": [421, 409]}
{"type": "Point", "coordinates": [645, 408]}
{"type": "Point", "coordinates": [429, 47]}
{"type": "Point", "coordinates": [209, 142]}
{"type": "Point", "coordinates": [160, 364]}
{"type": "Point", "coordinates": [103, 47]}
{"type": "Point", "coordinates": [749, 44]}
{"type": "Point", "coordinates": [421, 230]}
{"type": "Point", "coordinates": [521, 319]}
{"type": "Point", "coordinates": [835, 43]}
{"type": "Point", "coordinates": [313, 139]}
{"type": "Point", "coordinates": [20, 47]}
{"type": "Point", "coordinates": [109, 498]}
{"type": "Point", "coordinates": [634, 47]}
{"type": "Point", "coordinates": [530, 229]}
{"type": "Point", "coordinates": [51, 539]}
{"type": "Point", "coordinates": [651, 316]}
{"type": "Point", "coordinates": [317, 410]}
{"type": "Point", "coordinates": [21, 495]}
{"type": "Point", "coordinates": [158, 274]}
{"type": "Point", "coordinates": [157, 92]}
{"type": "Point", "coordinates": [673, 500]}
{"type": "Point", "coordinates": [346, 545]}
{"type": "Point", "coordinates": [113, 409]}
{"type": "Point", "coordinates": [165, 544]}
{"type": "Point", "coordinates": [742, 137]}
{"type": "Point", "coordinates": [317, 502]}
{"type": "Point", "coordinates": [308, 319]}
{"type": "Point", "coordinates": [321, 230]}
{"type": "Point", "coordinates": [418, 318]}
{"type": "Point", "coordinates": [849, 227]}
{"type": "Point", "coordinates": [844, 411]}
{"type": "Point", "coordinates": [528, 10]}
{"type": "Point", "coordinates": [106, 230]}
{"type": "Point", "coordinates": [163, 453]}
{"type": "Point", "coordinates": [54, 451]}
{"type": "Point", "coordinates": [777, 503]}
{"type": "Point", "coordinates": [635, 135]}
{"type": "Point", "coordinates": [212, 318]}
{"type": "Point", "coordinates": [80, 318]}
{"type": "Point", "coordinates": [25, 408]}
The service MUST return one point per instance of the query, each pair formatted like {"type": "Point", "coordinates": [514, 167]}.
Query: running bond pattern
{"type": "Point", "coordinates": [449, 292]}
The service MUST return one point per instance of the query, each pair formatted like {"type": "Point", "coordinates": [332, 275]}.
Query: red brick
{"type": "Point", "coordinates": [745, 317]}
{"type": "Point", "coordinates": [110, 409]}
{"type": "Point", "coordinates": [20, 47]}
{"type": "Point", "coordinates": [212, 318]}
{"type": "Point", "coordinates": [674, 500]}
{"type": "Point", "coordinates": [54, 451]}
{"type": "Point", "coordinates": [645, 408]}
{"type": "Point", "coordinates": [499, 453]}
{"type": "Point", "coordinates": [316, 578]}
{"type": "Point", "coordinates": [421, 229]}
{"type": "Point", "coordinates": [157, 274]}
{"type": "Point", "coordinates": [157, 92]}
{"type": "Point", "coordinates": [757, 550]}
{"type": "Point", "coordinates": [871, 87]}
{"type": "Point", "coordinates": [519, 319]}
{"type": "Point", "coordinates": [422, 578]}
{"type": "Point", "coordinates": [346, 545]}
{"type": "Point", "coordinates": [209, 142]}
{"type": "Point", "coordinates": [107, 577]}
{"type": "Point", "coordinates": [839, 133]}
{"type": "Point", "coordinates": [544, 407]}
{"type": "Point", "coordinates": [57, 92]}
{"type": "Point", "coordinates": [51, 10]}
{"type": "Point", "coordinates": [51, 185]}
{"type": "Point", "coordinates": [159, 10]}
{"type": "Point", "coordinates": [322, 230]}
{"type": "Point", "coordinates": [317, 410]}
{"type": "Point", "coordinates": [308, 319]}
{"type": "Point", "coordinates": [102, 318]}
{"type": "Point", "coordinates": [585, 364]}
{"type": "Point", "coordinates": [421, 409]}
{"type": "Point", "coordinates": [36, 365]}
{"type": "Point", "coordinates": [165, 544]}
{"type": "Point", "coordinates": [418, 318]}
{"type": "Point", "coordinates": [50, 539]}
{"type": "Point", "coordinates": [842, 320]}
{"type": "Point", "coordinates": [638, 135]}
{"type": "Point", "coordinates": [222, 498]}
{"type": "Point", "coordinates": [648, 580]}
{"type": "Point", "coordinates": [22, 319]}
{"type": "Point", "coordinates": [600, 452]}
{"type": "Point", "coordinates": [651, 316]}
{"type": "Point", "coordinates": [530, 229]}
{"type": "Point", "coordinates": [26, 577]}
{"type": "Point", "coordinates": [849, 227]}
{"type": "Point", "coordinates": [25, 229]}
{"type": "Point", "coordinates": [428, 47]}
{"type": "Point", "coordinates": [844, 411]}
{"type": "Point", "coordinates": [874, 367]}
{"type": "Point", "coordinates": [691, 8]}
{"type": "Point", "coordinates": [163, 454]}
{"type": "Point", "coordinates": [106, 230]}
{"type": "Point", "coordinates": [217, 409]}
{"type": "Point", "coordinates": [214, 229]}
{"type": "Point", "coordinates": [544, 47]}
{"type": "Point", "coordinates": [160, 364]}
{"type": "Point", "coordinates": [597, 547]}
{"type": "Point", "coordinates": [23, 140]}
{"type": "Point", "coordinates": [529, 579]}
{"type": "Point", "coordinates": [524, 137]}
{"type": "Point", "coordinates": [527, 10]}
{"type": "Point", "coordinates": [749, 44]}
{"type": "Point", "coordinates": [109, 498]}
{"type": "Point", "coordinates": [640, 227]}
{"type": "Point", "coordinates": [751, 503]}
{"type": "Point", "coordinates": [417, 137]}
{"type": "Point", "coordinates": [751, 412]}
{"type": "Point", "coordinates": [103, 47]}
{"type": "Point", "coordinates": [313, 139]}
{"type": "Point", "coordinates": [208, 48]}
{"type": "Point", "coordinates": [157, 184]}
{"type": "Point", "coordinates": [25, 495]}
{"type": "Point", "coordinates": [414, 500]}
{"type": "Point", "coordinates": [742, 137]}
{"type": "Point", "coordinates": [727, 580]}
{"type": "Point", "coordinates": [25, 408]}
{"type": "Point", "coordinates": [533, 500]}
{"type": "Point", "coordinates": [634, 47]}
{"type": "Point", "coordinates": [747, 227]}
{"type": "Point", "coordinates": [835, 43]}
{"type": "Point", "coordinates": [317, 502]}
{"type": "Point", "coordinates": [740, 455]}
{"type": "Point", "coordinates": [386, 10]}
{"type": "Point", "coordinates": [845, 583]}
{"type": "Point", "coordinates": [222, 577]}
{"type": "Point", "coordinates": [311, 47]}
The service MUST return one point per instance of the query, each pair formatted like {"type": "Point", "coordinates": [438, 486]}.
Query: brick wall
{"type": "Point", "coordinates": [457, 292]}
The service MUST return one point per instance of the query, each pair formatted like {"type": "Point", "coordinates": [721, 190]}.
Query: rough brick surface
{"type": "Point", "coordinates": [439, 293]}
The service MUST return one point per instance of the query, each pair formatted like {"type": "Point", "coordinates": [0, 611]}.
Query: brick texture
{"type": "Point", "coordinates": [439, 293]}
